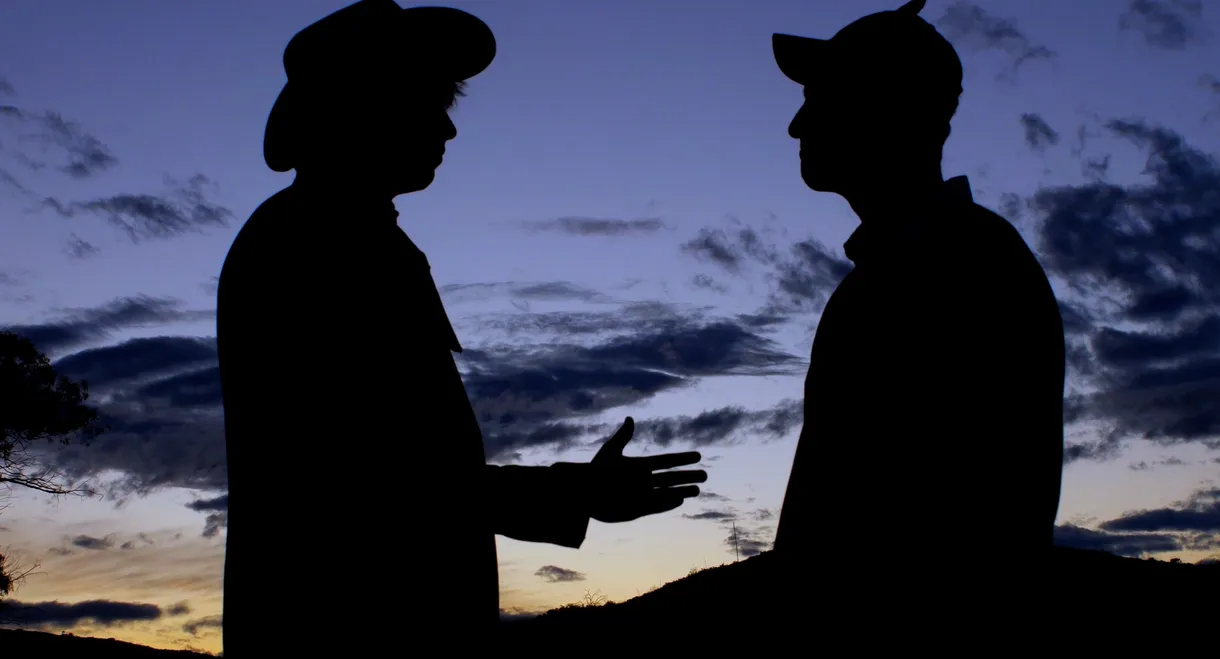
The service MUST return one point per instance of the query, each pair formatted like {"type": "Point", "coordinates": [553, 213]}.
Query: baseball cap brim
{"type": "Point", "coordinates": [452, 44]}
{"type": "Point", "coordinates": [798, 56]}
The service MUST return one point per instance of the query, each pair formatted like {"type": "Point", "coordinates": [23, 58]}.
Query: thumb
{"type": "Point", "coordinates": [614, 446]}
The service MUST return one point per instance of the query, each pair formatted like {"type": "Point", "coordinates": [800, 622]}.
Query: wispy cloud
{"type": "Point", "coordinates": [970, 26]}
{"type": "Point", "coordinates": [1167, 24]}
{"type": "Point", "coordinates": [594, 226]}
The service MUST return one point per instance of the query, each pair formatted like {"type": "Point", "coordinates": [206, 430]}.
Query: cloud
{"type": "Point", "coordinates": [746, 534]}
{"type": "Point", "coordinates": [217, 509]}
{"type": "Point", "coordinates": [211, 286]}
{"type": "Point", "coordinates": [178, 609]}
{"type": "Point", "coordinates": [1192, 525]}
{"type": "Point", "coordinates": [142, 359]}
{"type": "Point", "coordinates": [1199, 514]}
{"type": "Point", "coordinates": [546, 394]}
{"type": "Point", "coordinates": [1167, 24]}
{"type": "Point", "coordinates": [193, 627]}
{"type": "Point", "coordinates": [1122, 544]}
{"type": "Point", "coordinates": [79, 248]}
{"type": "Point", "coordinates": [522, 293]}
{"type": "Point", "coordinates": [1142, 261]}
{"type": "Point", "coordinates": [1038, 134]}
{"type": "Point", "coordinates": [556, 574]}
{"type": "Point", "coordinates": [184, 207]}
{"type": "Point", "coordinates": [100, 612]}
{"type": "Point", "coordinates": [78, 326]}
{"type": "Point", "coordinates": [79, 153]}
{"type": "Point", "coordinates": [90, 542]}
{"type": "Point", "coordinates": [801, 279]}
{"type": "Point", "coordinates": [977, 29]}
{"type": "Point", "coordinates": [717, 426]}
{"type": "Point", "coordinates": [592, 226]}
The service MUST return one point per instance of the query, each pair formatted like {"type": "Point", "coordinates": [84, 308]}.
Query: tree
{"type": "Point", "coordinates": [36, 406]}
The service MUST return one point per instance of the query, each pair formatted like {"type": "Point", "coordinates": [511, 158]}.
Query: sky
{"type": "Point", "coordinates": [620, 219]}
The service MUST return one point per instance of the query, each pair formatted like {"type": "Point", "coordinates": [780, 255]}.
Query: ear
{"type": "Point", "coordinates": [913, 7]}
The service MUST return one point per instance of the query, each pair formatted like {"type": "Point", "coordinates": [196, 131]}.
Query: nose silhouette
{"type": "Point", "coordinates": [794, 128]}
{"type": "Point", "coordinates": [450, 128]}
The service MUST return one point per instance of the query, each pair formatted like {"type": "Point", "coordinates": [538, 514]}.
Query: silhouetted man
{"type": "Point", "coordinates": [933, 433]}
{"type": "Point", "coordinates": [345, 414]}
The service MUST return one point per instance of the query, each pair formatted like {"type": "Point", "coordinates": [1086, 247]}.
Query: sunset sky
{"type": "Point", "coordinates": [621, 213]}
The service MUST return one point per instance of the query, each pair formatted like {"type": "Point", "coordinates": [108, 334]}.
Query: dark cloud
{"type": "Point", "coordinates": [556, 574]}
{"type": "Point", "coordinates": [193, 627]}
{"type": "Point", "coordinates": [1122, 544]}
{"type": "Point", "coordinates": [1200, 514]}
{"type": "Point", "coordinates": [6, 87]}
{"type": "Point", "coordinates": [1145, 256]}
{"type": "Point", "coordinates": [746, 534]}
{"type": "Point", "coordinates": [544, 395]}
{"type": "Point", "coordinates": [142, 359]}
{"type": "Point", "coordinates": [718, 426]}
{"type": "Point", "coordinates": [90, 542]}
{"type": "Point", "coordinates": [184, 207]}
{"type": "Point", "coordinates": [1168, 24]}
{"type": "Point", "coordinates": [1212, 84]}
{"type": "Point", "coordinates": [593, 226]}
{"type": "Point", "coordinates": [1038, 134]}
{"type": "Point", "coordinates": [801, 278]}
{"type": "Point", "coordinates": [161, 395]}
{"type": "Point", "coordinates": [40, 134]}
{"type": "Point", "coordinates": [217, 509]}
{"type": "Point", "coordinates": [706, 495]}
{"type": "Point", "coordinates": [75, 327]}
{"type": "Point", "coordinates": [712, 515]}
{"type": "Point", "coordinates": [99, 612]}
{"type": "Point", "coordinates": [969, 25]}
{"type": "Point", "coordinates": [1144, 465]}
{"type": "Point", "coordinates": [746, 542]}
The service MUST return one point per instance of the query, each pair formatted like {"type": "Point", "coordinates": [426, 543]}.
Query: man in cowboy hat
{"type": "Point", "coordinates": [336, 360]}
{"type": "Point", "coordinates": [933, 406]}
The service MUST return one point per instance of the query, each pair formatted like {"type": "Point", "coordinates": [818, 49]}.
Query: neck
{"type": "Point", "coordinates": [355, 189]}
{"type": "Point", "coordinates": [880, 199]}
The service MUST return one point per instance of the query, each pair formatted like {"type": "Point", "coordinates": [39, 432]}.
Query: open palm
{"type": "Point", "coordinates": [626, 488]}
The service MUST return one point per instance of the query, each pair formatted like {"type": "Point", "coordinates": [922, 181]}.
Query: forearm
{"type": "Point", "coordinates": [538, 504]}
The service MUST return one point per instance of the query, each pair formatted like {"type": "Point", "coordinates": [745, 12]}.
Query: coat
{"type": "Point", "coordinates": [360, 497]}
{"type": "Point", "coordinates": [933, 434]}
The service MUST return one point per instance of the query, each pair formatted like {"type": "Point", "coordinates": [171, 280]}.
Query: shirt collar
{"type": "Point", "coordinates": [869, 238]}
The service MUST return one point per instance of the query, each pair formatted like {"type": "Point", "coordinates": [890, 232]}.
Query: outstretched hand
{"type": "Point", "coordinates": [626, 488]}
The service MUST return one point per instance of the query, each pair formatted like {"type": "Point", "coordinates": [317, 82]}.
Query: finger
{"type": "Point", "coordinates": [668, 461]}
{"type": "Point", "coordinates": [685, 492]}
{"type": "Point", "coordinates": [615, 445]}
{"type": "Point", "coordinates": [674, 478]}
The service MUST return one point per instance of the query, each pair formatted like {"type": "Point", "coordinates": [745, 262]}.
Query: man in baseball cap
{"type": "Point", "coordinates": [337, 371]}
{"type": "Point", "coordinates": [938, 363]}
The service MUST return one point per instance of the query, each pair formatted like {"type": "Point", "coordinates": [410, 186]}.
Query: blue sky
{"type": "Point", "coordinates": [591, 219]}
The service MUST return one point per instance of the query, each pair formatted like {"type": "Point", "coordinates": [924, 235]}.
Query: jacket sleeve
{"type": "Point", "coordinates": [538, 504]}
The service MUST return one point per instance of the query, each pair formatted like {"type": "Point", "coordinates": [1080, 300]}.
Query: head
{"type": "Point", "coordinates": [369, 92]}
{"type": "Point", "coordinates": [879, 97]}
{"type": "Point", "coordinates": [390, 137]}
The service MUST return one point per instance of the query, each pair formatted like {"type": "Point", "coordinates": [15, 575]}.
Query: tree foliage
{"type": "Point", "coordinates": [38, 406]}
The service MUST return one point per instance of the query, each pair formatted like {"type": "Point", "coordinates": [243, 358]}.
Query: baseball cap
{"type": "Point", "coordinates": [372, 42]}
{"type": "Point", "coordinates": [895, 45]}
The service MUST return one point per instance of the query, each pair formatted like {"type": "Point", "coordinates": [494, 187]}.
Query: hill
{"type": "Point", "coordinates": [17, 643]}
{"type": "Point", "coordinates": [1090, 596]}
{"type": "Point", "coordinates": [1094, 600]}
